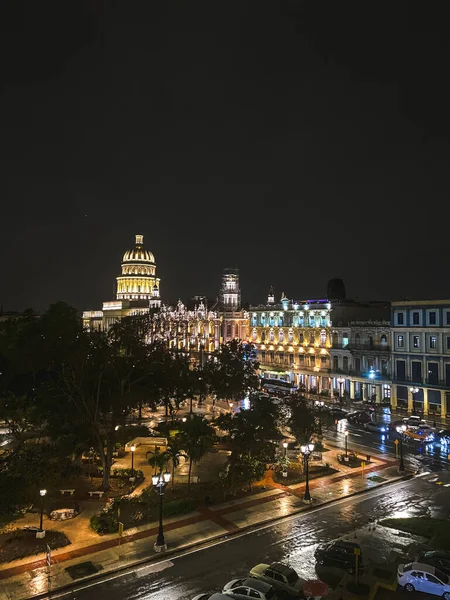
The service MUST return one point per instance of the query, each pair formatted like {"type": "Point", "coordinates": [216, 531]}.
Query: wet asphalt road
{"type": "Point", "coordinates": [293, 541]}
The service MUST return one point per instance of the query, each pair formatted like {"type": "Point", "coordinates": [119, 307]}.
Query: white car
{"type": "Point", "coordinates": [423, 578]}
{"type": "Point", "coordinates": [414, 421]}
{"type": "Point", "coordinates": [281, 576]}
{"type": "Point", "coordinates": [216, 596]}
{"type": "Point", "coordinates": [243, 589]}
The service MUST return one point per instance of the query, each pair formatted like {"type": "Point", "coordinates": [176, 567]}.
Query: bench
{"type": "Point", "coordinates": [67, 492]}
{"type": "Point", "coordinates": [96, 494]}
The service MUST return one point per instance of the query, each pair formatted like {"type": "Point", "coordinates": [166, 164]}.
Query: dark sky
{"type": "Point", "coordinates": [295, 140]}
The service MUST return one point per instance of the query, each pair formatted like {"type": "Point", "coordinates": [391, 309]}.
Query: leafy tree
{"type": "Point", "coordinates": [19, 414]}
{"type": "Point", "coordinates": [242, 469]}
{"type": "Point", "coordinates": [301, 419]}
{"type": "Point", "coordinates": [232, 372]}
{"type": "Point", "coordinates": [157, 459]}
{"type": "Point", "coordinates": [175, 452]}
{"type": "Point", "coordinates": [197, 437]}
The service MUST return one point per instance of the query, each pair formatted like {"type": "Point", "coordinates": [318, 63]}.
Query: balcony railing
{"type": "Point", "coordinates": [351, 372]}
{"type": "Point", "coordinates": [368, 347]}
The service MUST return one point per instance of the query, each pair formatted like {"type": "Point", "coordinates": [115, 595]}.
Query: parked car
{"type": "Point", "coordinates": [338, 413]}
{"type": "Point", "coordinates": [339, 554]}
{"type": "Point", "coordinates": [436, 558]}
{"type": "Point", "coordinates": [359, 417]}
{"type": "Point", "coordinates": [420, 434]}
{"type": "Point", "coordinates": [423, 578]}
{"type": "Point", "coordinates": [250, 587]}
{"type": "Point", "coordinates": [443, 436]}
{"type": "Point", "coordinates": [413, 421]}
{"type": "Point", "coordinates": [215, 596]}
{"type": "Point", "coordinates": [375, 427]}
{"type": "Point", "coordinates": [280, 576]}
{"type": "Point", "coordinates": [392, 426]}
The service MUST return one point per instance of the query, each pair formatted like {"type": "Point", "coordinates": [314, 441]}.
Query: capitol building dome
{"type": "Point", "coordinates": [138, 279]}
{"type": "Point", "coordinates": [139, 253]}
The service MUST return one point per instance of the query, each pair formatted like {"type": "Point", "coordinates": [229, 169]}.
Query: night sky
{"type": "Point", "coordinates": [297, 141]}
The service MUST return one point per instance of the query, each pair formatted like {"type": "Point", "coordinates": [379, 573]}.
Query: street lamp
{"type": "Point", "coordinates": [401, 430]}
{"type": "Point", "coordinates": [341, 382]}
{"type": "Point", "coordinates": [160, 481]}
{"type": "Point", "coordinates": [230, 404]}
{"type": "Point", "coordinates": [319, 404]}
{"type": "Point", "coordinates": [285, 446]}
{"type": "Point", "coordinates": [132, 448]}
{"type": "Point", "coordinates": [346, 443]}
{"type": "Point", "coordinates": [42, 494]}
{"type": "Point", "coordinates": [184, 419]}
{"type": "Point", "coordinates": [306, 451]}
{"type": "Point", "coordinates": [414, 390]}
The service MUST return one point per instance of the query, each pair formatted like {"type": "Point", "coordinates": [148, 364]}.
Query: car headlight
{"type": "Point", "coordinates": [383, 429]}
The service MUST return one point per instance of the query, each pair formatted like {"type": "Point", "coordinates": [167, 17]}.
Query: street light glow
{"type": "Point", "coordinates": [42, 492]}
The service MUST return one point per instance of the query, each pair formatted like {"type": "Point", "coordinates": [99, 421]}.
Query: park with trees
{"type": "Point", "coordinates": [72, 399]}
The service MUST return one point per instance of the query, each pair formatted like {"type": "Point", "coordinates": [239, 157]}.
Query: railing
{"type": "Point", "coordinates": [365, 374]}
{"type": "Point", "coordinates": [368, 347]}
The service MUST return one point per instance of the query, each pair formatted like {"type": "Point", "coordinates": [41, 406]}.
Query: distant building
{"type": "Point", "coordinates": [197, 329]}
{"type": "Point", "coordinates": [234, 318]}
{"type": "Point", "coordinates": [421, 355]}
{"type": "Point", "coordinates": [293, 340]}
{"type": "Point", "coordinates": [360, 353]}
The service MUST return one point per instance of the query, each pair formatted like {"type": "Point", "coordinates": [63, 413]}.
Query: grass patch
{"type": "Point", "coordinates": [377, 478]}
{"type": "Point", "coordinates": [18, 544]}
{"type": "Point", "coordinates": [436, 529]}
{"type": "Point", "coordinates": [295, 477]}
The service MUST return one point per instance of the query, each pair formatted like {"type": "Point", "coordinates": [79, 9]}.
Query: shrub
{"type": "Point", "coordinates": [105, 523]}
{"type": "Point", "coordinates": [179, 507]}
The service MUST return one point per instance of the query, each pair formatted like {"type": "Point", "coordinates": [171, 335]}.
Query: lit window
{"type": "Point", "coordinates": [433, 342]}
{"type": "Point", "coordinates": [400, 341]}
{"type": "Point", "coordinates": [416, 341]}
{"type": "Point", "coordinates": [281, 336]}
{"type": "Point", "coordinates": [323, 338]}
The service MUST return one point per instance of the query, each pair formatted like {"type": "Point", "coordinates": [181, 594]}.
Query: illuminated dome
{"type": "Point", "coordinates": [138, 281]}
{"type": "Point", "coordinates": [139, 253]}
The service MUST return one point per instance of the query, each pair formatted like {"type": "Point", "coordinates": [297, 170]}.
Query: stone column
{"type": "Point", "coordinates": [393, 396]}
{"type": "Point", "coordinates": [378, 394]}
{"type": "Point", "coordinates": [443, 404]}
{"type": "Point", "coordinates": [330, 381]}
{"type": "Point", "coordinates": [425, 401]}
{"type": "Point", "coordinates": [410, 401]}
{"type": "Point", "coordinates": [352, 389]}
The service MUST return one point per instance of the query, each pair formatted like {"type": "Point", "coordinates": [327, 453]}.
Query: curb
{"type": "Point", "coordinates": [211, 541]}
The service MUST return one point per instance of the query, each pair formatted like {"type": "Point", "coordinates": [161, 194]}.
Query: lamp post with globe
{"type": "Point", "coordinates": [414, 390]}
{"type": "Point", "coordinates": [341, 382]}
{"type": "Point", "coordinates": [306, 451]}
{"type": "Point", "coordinates": [319, 404]}
{"type": "Point", "coordinates": [160, 480]}
{"type": "Point", "coordinates": [401, 430]}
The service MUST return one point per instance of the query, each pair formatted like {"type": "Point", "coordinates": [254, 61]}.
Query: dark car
{"type": "Point", "coordinates": [443, 436]}
{"type": "Point", "coordinates": [338, 413]}
{"type": "Point", "coordinates": [438, 559]}
{"type": "Point", "coordinates": [359, 417]}
{"type": "Point", "coordinates": [339, 554]}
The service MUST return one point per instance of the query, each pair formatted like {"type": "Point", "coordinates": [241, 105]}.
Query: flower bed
{"type": "Point", "coordinates": [19, 544]}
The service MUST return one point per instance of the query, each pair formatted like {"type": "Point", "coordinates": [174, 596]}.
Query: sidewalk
{"type": "Point", "coordinates": [28, 577]}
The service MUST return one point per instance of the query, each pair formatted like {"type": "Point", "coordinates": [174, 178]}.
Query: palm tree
{"type": "Point", "coordinates": [157, 459]}
{"type": "Point", "coordinates": [174, 451]}
{"type": "Point", "coordinates": [198, 436]}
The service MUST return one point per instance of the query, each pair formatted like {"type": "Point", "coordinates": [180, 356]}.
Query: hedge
{"type": "Point", "coordinates": [179, 507]}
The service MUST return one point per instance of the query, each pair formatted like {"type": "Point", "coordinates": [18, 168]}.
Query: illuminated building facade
{"type": "Point", "coordinates": [234, 318]}
{"type": "Point", "coordinates": [197, 330]}
{"type": "Point", "coordinates": [420, 331]}
{"type": "Point", "coordinates": [293, 341]}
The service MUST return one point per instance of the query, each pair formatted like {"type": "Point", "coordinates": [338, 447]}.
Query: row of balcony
{"type": "Point", "coordinates": [422, 381]}
{"type": "Point", "coordinates": [369, 347]}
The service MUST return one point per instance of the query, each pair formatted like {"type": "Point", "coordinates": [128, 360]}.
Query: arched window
{"type": "Point", "coordinates": [254, 334]}
{"type": "Point", "coordinates": [263, 320]}
{"type": "Point", "coordinates": [271, 336]}
{"type": "Point", "coordinates": [254, 320]}
{"type": "Point", "coordinates": [280, 335]}
{"type": "Point", "coordinates": [345, 363]}
{"type": "Point", "coordinates": [383, 340]}
{"type": "Point", "coordinates": [357, 339]}
{"type": "Point", "coordinates": [323, 338]}
{"type": "Point", "coordinates": [311, 338]}
{"type": "Point", "coordinates": [263, 337]}
{"type": "Point", "coordinates": [290, 336]}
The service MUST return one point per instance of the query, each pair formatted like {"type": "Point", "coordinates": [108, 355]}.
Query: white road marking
{"type": "Point", "coordinates": [423, 474]}
{"type": "Point", "coordinates": [156, 568]}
